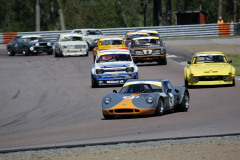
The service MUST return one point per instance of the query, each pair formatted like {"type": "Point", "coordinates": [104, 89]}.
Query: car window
{"type": "Point", "coordinates": [114, 58]}
{"type": "Point", "coordinates": [70, 38]}
{"type": "Point", "coordinates": [111, 42]}
{"type": "Point", "coordinates": [210, 59]}
{"type": "Point", "coordinates": [137, 88]}
{"type": "Point", "coordinates": [146, 42]}
{"type": "Point", "coordinates": [94, 32]}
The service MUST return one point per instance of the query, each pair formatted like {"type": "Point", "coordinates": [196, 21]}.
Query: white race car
{"type": "Point", "coordinates": [70, 44]}
{"type": "Point", "coordinates": [113, 66]}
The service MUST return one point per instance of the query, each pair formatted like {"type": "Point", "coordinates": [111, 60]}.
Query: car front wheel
{"type": "Point", "coordinates": [25, 51]}
{"type": "Point", "coordinates": [160, 108]}
{"type": "Point", "coordinates": [11, 52]}
{"type": "Point", "coordinates": [184, 106]}
{"type": "Point", "coordinates": [94, 83]}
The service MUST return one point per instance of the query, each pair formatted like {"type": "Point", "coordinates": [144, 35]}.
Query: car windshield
{"type": "Point", "coordinates": [153, 34]}
{"type": "Point", "coordinates": [210, 59]}
{"type": "Point", "coordinates": [35, 39]}
{"type": "Point", "coordinates": [114, 58]}
{"type": "Point", "coordinates": [111, 42]}
{"type": "Point", "coordinates": [146, 42]}
{"type": "Point", "coordinates": [141, 88]}
{"type": "Point", "coordinates": [70, 38]}
{"type": "Point", "coordinates": [94, 32]}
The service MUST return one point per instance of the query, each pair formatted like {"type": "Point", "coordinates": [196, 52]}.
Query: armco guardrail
{"type": "Point", "coordinates": [202, 30]}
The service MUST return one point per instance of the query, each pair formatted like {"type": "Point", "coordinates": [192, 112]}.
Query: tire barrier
{"type": "Point", "coordinates": [224, 29]}
{"type": "Point", "coordinates": [9, 36]}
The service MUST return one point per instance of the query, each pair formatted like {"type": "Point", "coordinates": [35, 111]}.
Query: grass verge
{"type": "Point", "coordinates": [235, 62]}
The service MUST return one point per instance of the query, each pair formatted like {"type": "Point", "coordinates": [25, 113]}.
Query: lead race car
{"type": "Point", "coordinates": [113, 66]}
{"type": "Point", "coordinates": [145, 97]}
{"type": "Point", "coordinates": [209, 68]}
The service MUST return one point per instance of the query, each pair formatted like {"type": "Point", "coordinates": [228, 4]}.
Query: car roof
{"type": "Point", "coordinates": [29, 36]}
{"type": "Point", "coordinates": [70, 34]}
{"type": "Point", "coordinates": [110, 38]}
{"type": "Point", "coordinates": [157, 82]}
{"type": "Point", "coordinates": [149, 37]}
{"type": "Point", "coordinates": [148, 31]}
{"type": "Point", "coordinates": [136, 32]}
{"type": "Point", "coordinates": [208, 53]}
{"type": "Point", "coordinates": [113, 51]}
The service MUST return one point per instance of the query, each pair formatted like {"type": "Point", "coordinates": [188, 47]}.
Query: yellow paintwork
{"type": "Point", "coordinates": [209, 70]}
{"type": "Point", "coordinates": [106, 47]}
{"type": "Point", "coordinates": [127, 104]}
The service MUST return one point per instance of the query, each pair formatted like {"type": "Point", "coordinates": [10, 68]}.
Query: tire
{"type": "Point", "coordinates": [50, 53]}
{"type": "Point", "coordinates": [26, 52]}
{"type": "Point", "coordinates": [160, 108]}
{"type": "Point", "coordinates": [186, 83]}
{"type": "Point", "coordinates": [162, 61]}
{"type": "Point", "coordinates": [94, 83]}
{"type": "Point", "coordinates": [184, 106]}
{"type": "Point", "coordinates": [136, 77]}
{"type": "Point", "coordinates": [86, 54]}
{"type": "Point", "coordinates": [233, 84]}
{"type": "Point", "coordinates": [11, 52]}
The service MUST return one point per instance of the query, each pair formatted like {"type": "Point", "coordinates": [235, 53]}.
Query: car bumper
{"type": "Point", "coordinates": [109, 79]}
{"type": "Point", "coordinates": [149, 58]}
{"type": "Point", "coordinates": [41, 49]}
{"type": "Point", "coordinates": [128, 111]}
{"type": "Point", "coordinates": [75, 52]}
{"type": "Point", "coordinates": [229, 81]}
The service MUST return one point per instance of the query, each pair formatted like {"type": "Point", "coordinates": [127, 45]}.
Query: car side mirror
{"type": "Point", "coordinates": [230, 61]}
{"type": "Point", "coordinates": [189, 62]}
{"type": "Point", "coordinates": [169, 90]}
{"type": "Point", "coordinates": [114, 91]}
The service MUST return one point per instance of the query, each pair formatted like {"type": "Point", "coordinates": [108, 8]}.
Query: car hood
{"type": "Point", "coordinates": [94, 36]}
{"type": "Point", "coordinates": [114, 65]}
{"type": "Point", "coordinates": [211, 69]}
{"type": "Point", "coordinates": [129, 100]}
{"type": "Point", "coordinates": [73, 43]}
{"type": "Point", "coordinates": [112, 47]}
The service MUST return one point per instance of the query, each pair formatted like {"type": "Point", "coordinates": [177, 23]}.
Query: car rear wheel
{"type": "Point", "coordinates": [160, 108]}
{"type": "Point", "coordinates": [233, 84]}
{"type": "Point", "coordinates": [11, 52]}
{"type": "Point", "coordinates": [184, 106]}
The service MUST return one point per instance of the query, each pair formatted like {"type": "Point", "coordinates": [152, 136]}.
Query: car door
{"type": "Point", "coordinates": [14, 43]}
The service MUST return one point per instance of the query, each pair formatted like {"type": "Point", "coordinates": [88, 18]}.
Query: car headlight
{"type": "Point", "coordinates": [132, 52]}
{"type": "Point", "coordinates": [99, 71]}
{"type": "Point", "coordinates": [64, 46]}
{"type": "Point", "coordinates": [196, 79]}
{"type": "Point", "coordinates": [129, 69]}
{"type": "Point", "coordinates": [48, 44]}
{"type": "Point", "coordinates": [150, 100]}
{"type": "Point", "coordinates": [225, 78]}
{"type": "Point", "coordinates": [162, 50]}
{"type": "Point", "coordinates": [37, 44]}
{"type": "Point", "coordinates": [107, 100]}
{"type": "Point", "coordinates": [84, 46]}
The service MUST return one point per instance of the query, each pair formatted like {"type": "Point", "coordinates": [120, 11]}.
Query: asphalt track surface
{"type": "Point", "coordinates": [47, 101]}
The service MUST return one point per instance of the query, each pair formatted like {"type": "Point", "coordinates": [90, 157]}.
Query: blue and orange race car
{"type": "Point", "coordinates": [145, 97]}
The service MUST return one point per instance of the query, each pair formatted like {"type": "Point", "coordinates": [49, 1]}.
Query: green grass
{"type": "Point", "coordinates": [235, 62]}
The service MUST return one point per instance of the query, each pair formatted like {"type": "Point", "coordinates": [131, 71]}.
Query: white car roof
{"type": "Point", "coordinates": [148, 31]}
{"type": "Point", "coordinates": [29, 36]}
{"type": "Point", "coordinates": [70, 34]}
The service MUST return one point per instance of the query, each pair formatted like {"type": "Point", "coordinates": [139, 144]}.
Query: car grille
{"type": "Point", "coordinates": [114, 70]}
{"type": "Point", "coordinates": [42, 44]}
{"type": "Point", "coordinates": [211, 78]}
{"type": "Point", "coordinates": [126, 110]}
{"type": "Point", "coordinates": [138, 52]}
{"type": "Point", "coordinates": [157, 51]}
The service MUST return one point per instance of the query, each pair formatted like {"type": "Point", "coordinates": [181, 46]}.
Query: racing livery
{"type": "Point", "coordinates": [29, 45]}
{"type": "Point", "coordinates": [113, 66]}
{"type": "Point", "coordinates": [145, 97]}
{"type": "Point", "coordinates": [70, 44]}
{"type": "Point", "coordinates": [209, 68]}
{"type": "Point", "coordinates": [148, 49]}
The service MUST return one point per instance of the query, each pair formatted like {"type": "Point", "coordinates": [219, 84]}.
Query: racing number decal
{"type": "Point", "coordinates": [171, 100]}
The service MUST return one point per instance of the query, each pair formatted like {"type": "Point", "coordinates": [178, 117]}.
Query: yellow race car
{"type": "Point", "coordinates": [105, 43]}
{"type": "Point", "coordinates": [209, 68]}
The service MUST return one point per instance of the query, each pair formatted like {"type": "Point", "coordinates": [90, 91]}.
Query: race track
{"type": "Point", "coordinates": [48, 101]}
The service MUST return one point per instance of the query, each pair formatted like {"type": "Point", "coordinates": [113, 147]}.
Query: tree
{"type": "Point", "coordinates": [38, 22]}
{"type": "Point", "coordinates": [168, 12]}
{"type": "Point", "coordinates": [235, 11]}
{"type": "Point", "coordinates": [219, 8]}
{"type": "Point", "coordinates": [60, 12]}
{"type": "Point", "coordinates": [157, 12]}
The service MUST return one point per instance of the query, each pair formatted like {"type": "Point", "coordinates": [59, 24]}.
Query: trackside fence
{"type": "Point", "coordinates": [202, 30]}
